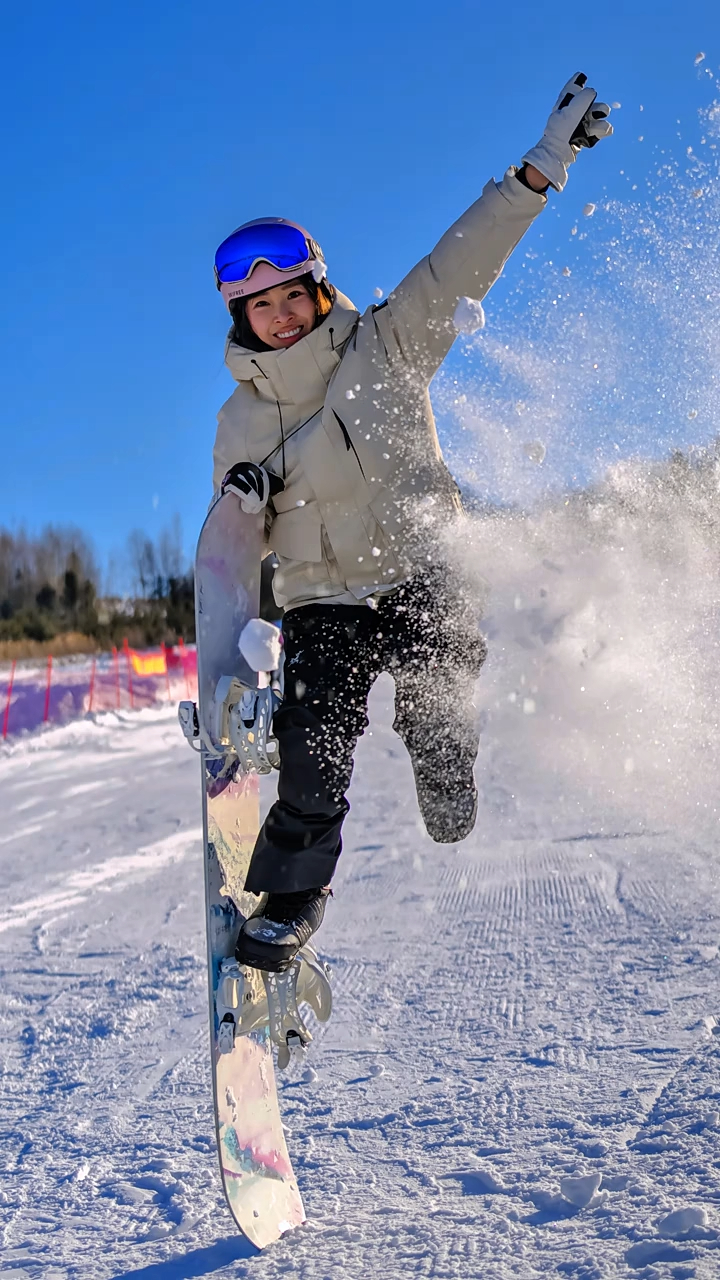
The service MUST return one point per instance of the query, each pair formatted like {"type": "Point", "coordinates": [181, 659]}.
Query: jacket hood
{"type": "Point", "coordinates": [322, 348]}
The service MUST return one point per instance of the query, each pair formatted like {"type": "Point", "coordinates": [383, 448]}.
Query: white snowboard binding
{"type": "Point", "coordinates": [241, 726]}
{"type": "Point", "coordinates": [238, 723]}
{"type": "Point", "coordinates": [248, 999]}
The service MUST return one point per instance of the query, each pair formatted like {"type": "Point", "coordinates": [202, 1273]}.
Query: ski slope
{"type": "Point", "coordinates": [521, 1076]}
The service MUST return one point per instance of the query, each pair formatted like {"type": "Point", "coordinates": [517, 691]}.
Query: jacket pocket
{"type": "Point", "coordinates": [297, 534]}
{"type": "Point", "coordinates": [382, 317]}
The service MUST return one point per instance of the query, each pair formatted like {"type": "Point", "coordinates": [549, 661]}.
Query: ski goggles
{"type": "Point", "coordinates": [271, 252]}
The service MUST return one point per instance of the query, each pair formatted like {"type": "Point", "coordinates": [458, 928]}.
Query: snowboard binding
{"type": "Point", "coordinates": [247, 1000]}
{"type": "Point", "coordinates": [238, 729]}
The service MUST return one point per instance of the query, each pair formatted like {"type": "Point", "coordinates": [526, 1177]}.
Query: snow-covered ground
{"type": "Point", "coordinates": [521, 1077]}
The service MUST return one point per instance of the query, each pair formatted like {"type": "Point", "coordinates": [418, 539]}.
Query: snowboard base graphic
{"type": "Point", "coordinates": [257, 1175]}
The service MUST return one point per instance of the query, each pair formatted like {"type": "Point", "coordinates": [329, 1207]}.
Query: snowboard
{"type": "Point", "coordinates": [257, 1176]}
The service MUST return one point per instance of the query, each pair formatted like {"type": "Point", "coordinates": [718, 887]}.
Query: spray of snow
{"type": "Point", "coordinates": [603, 562]}
{"type": "Point", "coordinates": [604, 629]}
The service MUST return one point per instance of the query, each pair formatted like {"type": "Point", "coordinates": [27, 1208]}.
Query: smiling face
{"type": "Point", "coordinates": [281, 316]}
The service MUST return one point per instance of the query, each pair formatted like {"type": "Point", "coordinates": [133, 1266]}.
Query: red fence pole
{"type": "Point", "coordinates": [91, 690]}
{"type": "Point", "coordinates": [181, 647]}
{"type": "Point", "coordinates": [126, 651]}
{"type": "Point", "coordinates": [48, 683]}
{"type": "Point", "coordinates": [116, 668]}
{"type": "Point", "coordinates": [6, 715]}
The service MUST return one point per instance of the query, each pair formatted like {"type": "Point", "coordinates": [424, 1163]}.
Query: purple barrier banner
{"type": "Point", "coordinates": [67, 688]}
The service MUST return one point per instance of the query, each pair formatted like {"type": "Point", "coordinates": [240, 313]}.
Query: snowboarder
{"type": "Point", "coordinates": [331, 432]}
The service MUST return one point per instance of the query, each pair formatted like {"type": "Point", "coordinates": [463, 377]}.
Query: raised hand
{"type": "Point", "coordinates": [577, 120]}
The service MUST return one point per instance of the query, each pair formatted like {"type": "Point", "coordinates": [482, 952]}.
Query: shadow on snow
{"type": "Point", "coordinates": [199, 1262]}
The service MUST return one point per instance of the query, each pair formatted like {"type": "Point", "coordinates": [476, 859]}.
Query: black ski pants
{"type": "Point", "coordinates": [426, 635]}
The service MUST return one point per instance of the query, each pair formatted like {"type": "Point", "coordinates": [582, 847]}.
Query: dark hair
{"type": "Point", "coordinates": [242, 332]}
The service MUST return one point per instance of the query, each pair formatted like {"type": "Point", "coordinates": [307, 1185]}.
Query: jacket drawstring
{"type": "Point", "coordinates": [282, 426]}
{"type": "Point", "coordinates": [282, 439]}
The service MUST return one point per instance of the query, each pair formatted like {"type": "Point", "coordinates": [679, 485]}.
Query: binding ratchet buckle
{"type": "Point", "coordinates": [239, 726]}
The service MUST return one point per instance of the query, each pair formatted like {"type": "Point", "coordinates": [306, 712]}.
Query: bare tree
{"type": "Point", "coordinates": [170, 551]}
{"type": "Point", "coordinates": [143, 562]}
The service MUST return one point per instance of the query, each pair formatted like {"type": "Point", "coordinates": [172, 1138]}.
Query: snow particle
{"type": "Point", "coordinates": [692, 413]}
{"type": "Point", "coordinates": [629, 765]}
{"type": "Point", "coordinates": [357, 386]}
{"type": "Point", "coordinates": [566, 271]}
{"type": "Point", "coordinates": [528, 706]}
{"type": "Point", "coordinates": [699, 57]}
{"type": "Point", "coordinates": [349, 395]}
{"type": "Point", "coordinates": [697, 193]}
{"type": "Point", "coordinates": [376, 551]}
{"type": "Point", "coordinates": [469, 316]}
{"type": "Point", "coordinates": [588, 210]}
{"type": "Point", "coordinates": [300, 502]}
{"type": "Point", "coordinates": [535, 450]}
{"type": "Point", "coordinates": [378, 293]}
{"type": "Point", "coordinates": [616, 105]}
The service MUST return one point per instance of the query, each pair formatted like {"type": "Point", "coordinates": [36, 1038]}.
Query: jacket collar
{"type": "Point", "coordinates": [298, 374]}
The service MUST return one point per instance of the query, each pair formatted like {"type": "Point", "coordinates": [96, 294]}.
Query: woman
{"type": "Point", "coordinates": [330, 430]}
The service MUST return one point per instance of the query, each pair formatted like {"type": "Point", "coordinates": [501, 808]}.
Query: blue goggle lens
{"type": "Point", "coordinates": [282, 246]}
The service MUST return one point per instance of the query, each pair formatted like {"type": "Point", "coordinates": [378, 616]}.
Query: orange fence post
{"type": "Point", "coordinates": [48, 683]}
{"type": "Point", "coordinates": [91, 690]}
{"type": "Point", "coordinates": [126, 651]}
{"type": "Point", "coordinates": [6, 715]}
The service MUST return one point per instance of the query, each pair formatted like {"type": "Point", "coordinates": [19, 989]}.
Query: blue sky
{"type": "Point", "coordinates": [136, 136]}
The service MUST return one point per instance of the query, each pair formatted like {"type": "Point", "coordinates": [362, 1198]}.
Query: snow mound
{"type": "Point", "coordinates": [680, 1221]}
{"type": "Point", "coordinates": [580, 1190]}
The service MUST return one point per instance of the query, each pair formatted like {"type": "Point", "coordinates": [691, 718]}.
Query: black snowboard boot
{"type": "Point", "coordinates": [449, 814]}
{"type": "Point", "coordinates": [272, 939]}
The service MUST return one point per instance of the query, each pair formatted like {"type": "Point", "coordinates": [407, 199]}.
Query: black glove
{"type": "Point", "coordinates": [253, 485]}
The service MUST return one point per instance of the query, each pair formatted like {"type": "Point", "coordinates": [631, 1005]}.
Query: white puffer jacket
{"type": "Point", "coordinates": [345, 417]}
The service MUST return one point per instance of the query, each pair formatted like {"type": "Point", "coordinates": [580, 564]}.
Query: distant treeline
{"type": "Point", "coordinates": [50, 592]}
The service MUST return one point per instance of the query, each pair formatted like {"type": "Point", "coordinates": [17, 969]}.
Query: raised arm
{"type": "Point", "coordinates": [466, 262]}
